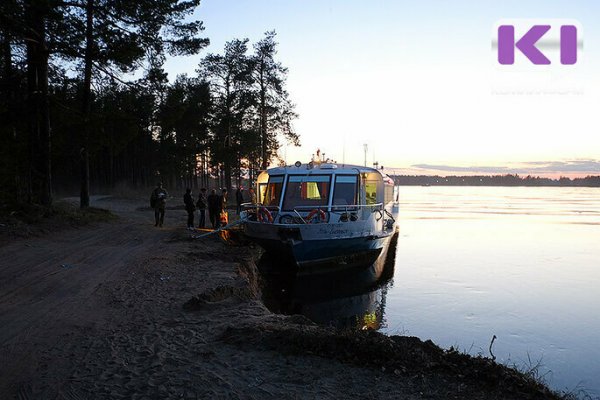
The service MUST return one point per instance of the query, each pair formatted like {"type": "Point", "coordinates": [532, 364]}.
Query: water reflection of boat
{"type": "Point", "coordinates": [350, 299]}
{"type": "Point", "coordinates": [322, 216]}
{"type": "Point", "coordinates": [362, 311]}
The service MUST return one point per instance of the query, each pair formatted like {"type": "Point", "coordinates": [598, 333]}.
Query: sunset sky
{"type": "Point", "coordinates": [419, 82]}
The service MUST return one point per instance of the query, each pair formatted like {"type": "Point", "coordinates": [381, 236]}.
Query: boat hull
{"type": "Point", "coordinates": [312, 250]}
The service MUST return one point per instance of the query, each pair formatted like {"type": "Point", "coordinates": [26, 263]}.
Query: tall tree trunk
{"type": "Point", "coordinates": [227, 172]}
{"type": "Point", "coordinates": [239, 170]}
{"type": "Point", "coordinates": [250, 174]}
{"type": "Point", "coordinates": [40, 177]}
{"type": "Point", "coordinates": [227, 153]}
{"type": "Point", "coordinates": [195, 173]}
{"type": "Point", "coordinates": [7, 68]}
{"type": "Point", "coordinates": [7, 89]}
{"type": "Point", "coordinates": [263, 122]}
{"type": "Point", "coordinates": [205, 172]}
{"type": "Point", "coordinates": [87, 105]}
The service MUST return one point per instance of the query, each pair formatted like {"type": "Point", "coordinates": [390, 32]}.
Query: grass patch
{"type": "Point", "coordinates": [76, 215]}
{"type": "Point", "coordinates": [31, 220]}
{"type": "Point", "coordinates": [32, 214]}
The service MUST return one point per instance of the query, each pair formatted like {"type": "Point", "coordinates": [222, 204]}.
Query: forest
{"type": "Point", "coordinates": [86, 103]}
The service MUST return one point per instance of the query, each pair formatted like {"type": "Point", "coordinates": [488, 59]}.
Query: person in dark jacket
{"type": "Point", "coordinates": [158, 201]}
{"type": "Point", "coordinates": [239, 199]}
{"type": "Point", "coordinates": [188, 200]}
{"type": "Point", "coordinates": [201, 205]}
{"type": "Point", "coordinates": [214, 207]}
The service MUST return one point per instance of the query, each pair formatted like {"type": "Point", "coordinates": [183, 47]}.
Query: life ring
{"type": "Point", "coordinates": [264, 215]}
{"type": "Point", "coordinates": [314, 212]}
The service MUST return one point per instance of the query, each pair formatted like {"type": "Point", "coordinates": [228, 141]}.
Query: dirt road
{"type": "Point", "coordinates": [49, 285]}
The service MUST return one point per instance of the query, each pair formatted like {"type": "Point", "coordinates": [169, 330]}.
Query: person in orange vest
{"type": "Point", "coordinates": [223, 210]}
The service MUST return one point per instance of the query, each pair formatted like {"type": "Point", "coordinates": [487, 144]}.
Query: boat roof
{"type": "Point", "coordinates": [322, 168]}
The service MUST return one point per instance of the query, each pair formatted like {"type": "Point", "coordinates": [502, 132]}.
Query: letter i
{"type": "Point", "coordinates": [568, 44]}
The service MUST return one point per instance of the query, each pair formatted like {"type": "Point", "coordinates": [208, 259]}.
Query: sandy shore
{"type": "Point", "coordinates": [127, 310]}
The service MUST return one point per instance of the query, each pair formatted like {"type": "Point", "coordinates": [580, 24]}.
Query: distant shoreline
{"type": "Point", "coordinates": [494, 180]}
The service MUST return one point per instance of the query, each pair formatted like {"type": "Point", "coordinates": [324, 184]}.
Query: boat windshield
{"type": "Point", "coordinates": [273, 191]}
{"type": "Point", "coordinates": [306, 192]}
{"type": "Point", "coordinates": [344, 192]}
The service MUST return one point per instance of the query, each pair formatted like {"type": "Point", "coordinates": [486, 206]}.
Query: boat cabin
{"type": "Point", "coordinates": [334, 190]}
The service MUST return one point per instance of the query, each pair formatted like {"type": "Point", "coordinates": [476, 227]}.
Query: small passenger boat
{"type": "Point", "coordinates": [323, 216]}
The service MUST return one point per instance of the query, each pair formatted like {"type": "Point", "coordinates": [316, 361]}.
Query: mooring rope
{"type": "Point", "coordinates": [228, 226]}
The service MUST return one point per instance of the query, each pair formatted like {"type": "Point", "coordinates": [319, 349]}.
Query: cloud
{"type": "Point", "coordinates": [592, 166]}
{"type": "Point", "coordinates": [454, 168]}
{"type": "Point", "coordinates": [529, 167]}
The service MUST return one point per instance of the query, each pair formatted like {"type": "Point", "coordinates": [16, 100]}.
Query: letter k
{"type": "Point", "coordinates": [506, 44]}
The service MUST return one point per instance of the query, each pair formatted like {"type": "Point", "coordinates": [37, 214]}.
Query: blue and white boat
{"type": "Point", "coordinates": [322, 216]}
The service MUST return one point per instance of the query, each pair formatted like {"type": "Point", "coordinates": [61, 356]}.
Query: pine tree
{"type": "Point", "coordinates": [229, 78]}
{"type": "Point", "coordinates": [115, 38]}
{"type": "Point", "coordinates": [275, 111]}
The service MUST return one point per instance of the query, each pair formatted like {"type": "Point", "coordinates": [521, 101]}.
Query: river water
{"type": "Point", "coordinates": [519, 263]}
{"type": "Point", "coordinates": [471, 263]}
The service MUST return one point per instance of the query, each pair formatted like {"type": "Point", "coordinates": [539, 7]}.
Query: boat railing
{"type": "Point", "coordinates": [334, 209]}
{"type": "Point", "coordinates": [338, 209]}
{"type": "Point", "coordinates": [354, 207]}
{"type": "Point", "coordinates": [348, 207]}
{"type": "Point", "coordinates": [249, 206]}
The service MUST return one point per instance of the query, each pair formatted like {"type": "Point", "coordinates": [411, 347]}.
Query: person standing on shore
{"type": "Point", "coordinates": [158, 201]}
{"type": "Point", "coordinates": [188, 200]}
{"type": "Point", "coordinates": [201, 205]}
{"type": "Point", "coordinates": [223, 208]}
{"type": "Point", "coordinates": [239, 199]}
{"type": "Point", "coordinates": [213, 208]}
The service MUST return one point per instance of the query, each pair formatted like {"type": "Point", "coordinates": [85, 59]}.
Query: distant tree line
{"type": "Point", "coordinates": [71, 115]}
{"type": "Point", "coordinates": [495, 180]}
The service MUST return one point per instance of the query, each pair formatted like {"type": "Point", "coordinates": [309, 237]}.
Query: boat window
{"type": "Point", "coordinates": [388, 194]}
{"type": "Point", "coordinates": [273, 191]}
{"type": "Point", "coordinates": [306, 192]}
{"type": "Point", "coordinates": [344, 192]}
{"type": "Point", "coordinates": [262, 191]}
{"type": "Point", "coordinates": [371, 192]}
